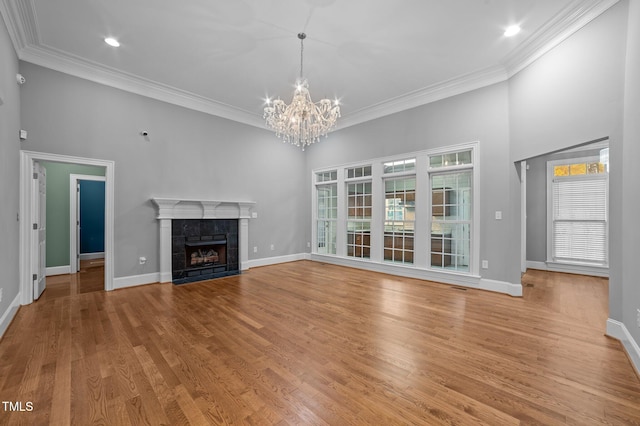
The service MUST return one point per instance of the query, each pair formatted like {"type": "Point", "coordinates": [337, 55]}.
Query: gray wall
{"type": "Point", "coordinates": [189, 154]}
{"type": "Point", "coordinates": [9, 170]}
{"type": "Point", "coordinates": [481, 115]}
{"type": "Point", "coordinates": [572, 95]}
{"type": "Point", "coordinates": [630, 186]}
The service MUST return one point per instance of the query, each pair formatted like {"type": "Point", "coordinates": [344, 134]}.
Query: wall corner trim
{"type": "Point", "coordinates": [9, 314]}
{"type": "Point", "coordinates": [618, 330]}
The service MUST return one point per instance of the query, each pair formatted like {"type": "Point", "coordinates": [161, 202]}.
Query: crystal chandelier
{"type": "Point", "coordinates": [302, 122]}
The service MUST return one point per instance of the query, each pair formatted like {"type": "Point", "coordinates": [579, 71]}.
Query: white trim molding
{"type": "Point", "coordinates": [176, 208]}
{"type": "Point", "coordinates": [9, 314]}
{"type": "Point", "coordinates": [267, 261]}
{"type": "Point", "coordinates": [456, 279]}
{"type": "Point", "coordinates": [596, 271]}
{"type": "Point", "coordinates": [618, 330]}
{"type": "Point", "coordinates": [58, 270]}
{"type": "Point", "coordinates": [136, 280]}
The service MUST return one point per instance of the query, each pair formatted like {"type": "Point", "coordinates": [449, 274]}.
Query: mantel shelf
{"type": "Point", "coordinates": [176, 208]}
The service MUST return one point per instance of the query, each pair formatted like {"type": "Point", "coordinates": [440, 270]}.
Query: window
{"type": "Point", "coordinates": [415, 211]}
{"type": "Point", "coordinates": [400, 216]}
{"type": "Point", "coordinates": [359, 219]}
{"type": "Point", "coordinates": [400, 166]}
{"type": "Point", "coordinates": [451, 220]}
{"type": "Point", "coordinates": [578, 212]}
{"type": "Point", "coordinates": [327, 213]}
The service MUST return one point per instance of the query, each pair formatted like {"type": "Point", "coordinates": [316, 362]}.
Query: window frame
{"type": "Point", "coordinates": [363, 179]}
{"type": "Point", "coordinates": [551, 259]}
{"type": "Point", "coordinates": [422, 222]}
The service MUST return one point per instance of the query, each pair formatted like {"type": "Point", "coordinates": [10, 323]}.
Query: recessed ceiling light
{"type": "Point", "coordinates": [112, 42]}
{"type": "Point", "coordinates": [512, 30]}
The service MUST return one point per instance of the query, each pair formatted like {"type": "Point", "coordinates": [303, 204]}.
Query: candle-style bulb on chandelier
{"type": "Point", "coordinates": [302, 122]}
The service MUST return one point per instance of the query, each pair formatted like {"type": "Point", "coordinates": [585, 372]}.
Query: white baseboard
{"type": "Point", "coordinates": [8, 315]}
{"type": "Point", "coordinates": [619, 331]}
{"type": "Point", "coordinates": [532, 264]}
{"type": "Point", "coordinates": [595, 271]}
{"type": "Point", "coordinates": [57, 270]}
{"type": "Point", "coordinates": [511, 289]}
{"type": "Point", "coordinates": [462, 280]}
{"type": "Point", "coordinates": [89, 256]}
{"type": "Point", "coordinates": [266, 261]}
{"type": "Point", "coordinates": [135, 280]}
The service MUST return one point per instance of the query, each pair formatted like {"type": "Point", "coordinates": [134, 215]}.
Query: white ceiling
{"type": "Point", "coordinates": [224, 57]}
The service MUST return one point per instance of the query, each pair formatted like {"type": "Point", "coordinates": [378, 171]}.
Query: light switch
{"type": "Point", "coordinates": [498, 215]}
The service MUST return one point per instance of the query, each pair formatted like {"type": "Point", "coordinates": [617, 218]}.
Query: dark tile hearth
{"type": "Point", "coordinates": [203, 249]}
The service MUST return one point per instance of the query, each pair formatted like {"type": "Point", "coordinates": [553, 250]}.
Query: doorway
{"type": "Point", "coordinates": [538, 213]}
{"type": "Point", "coordinates": [87, 214]}
{"type": "Point", "coordinates": [28, 249]}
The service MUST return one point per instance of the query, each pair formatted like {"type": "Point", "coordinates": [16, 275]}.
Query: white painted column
{"type": "Point", "coordinates": [243, 236]}
{"type": "Point", "coordinates": [165, 251]}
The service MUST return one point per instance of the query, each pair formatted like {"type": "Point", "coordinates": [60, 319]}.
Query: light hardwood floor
{"type": "Point", "coordinates": [309, 343]}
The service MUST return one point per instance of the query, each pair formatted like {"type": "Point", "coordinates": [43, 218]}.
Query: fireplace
{"type": "Point", "coordinates": [203, 249]}
{"type": "Point", "coordinates": [202, 239]}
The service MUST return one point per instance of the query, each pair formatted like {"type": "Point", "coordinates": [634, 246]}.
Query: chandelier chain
{"type": "Point", "coordinates": [301, 36]}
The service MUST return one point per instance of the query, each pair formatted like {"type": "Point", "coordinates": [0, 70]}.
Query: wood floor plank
{"type": "Point", "coordinates": [315, 344]}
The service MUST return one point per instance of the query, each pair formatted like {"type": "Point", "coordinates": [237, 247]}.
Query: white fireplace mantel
{"type": "Point", "coordinates": [175, 208]}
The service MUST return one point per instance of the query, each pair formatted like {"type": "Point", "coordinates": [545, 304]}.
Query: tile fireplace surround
{"type": "Point", "coordinates": [174, 208]}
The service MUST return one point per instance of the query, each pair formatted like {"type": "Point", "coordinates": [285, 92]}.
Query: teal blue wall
{"type": "Point", "coordinates": [58, 213]}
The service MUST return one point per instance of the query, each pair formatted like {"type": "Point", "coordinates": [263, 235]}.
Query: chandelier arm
{"type": "Point", "coordinates": [302, 122]}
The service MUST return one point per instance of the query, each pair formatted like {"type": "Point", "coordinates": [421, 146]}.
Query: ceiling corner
{"type": "Point", "coordinates": [571, 19]}
{"type": "Point", "coordinates": [19, 17]}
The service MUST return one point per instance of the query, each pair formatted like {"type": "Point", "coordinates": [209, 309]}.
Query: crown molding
{"type": "Point", "coordinates": [79, 67]}
{"type": "Point", "coordinates": [433, 93]}
{"type": "Point", "coordinates": [20, 19]}
{"type": "Point", "coordinates": [566, 23]}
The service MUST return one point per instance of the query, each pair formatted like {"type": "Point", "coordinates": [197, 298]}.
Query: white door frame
{"type": "Point", "coordinates": [27, 159]}
{"type": "Point", "coordinates": [523, 216]}
{"type": "Point", "coordinates": [74, 179]}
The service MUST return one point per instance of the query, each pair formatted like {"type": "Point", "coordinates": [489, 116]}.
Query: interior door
{"type": "Point", "coordinates": [39, 229]}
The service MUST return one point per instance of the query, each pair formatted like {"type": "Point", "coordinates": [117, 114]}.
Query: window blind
{"type": "Point", "coordinates": [580, 219]}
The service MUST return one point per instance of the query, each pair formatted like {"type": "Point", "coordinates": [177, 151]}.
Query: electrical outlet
{"type": "Point", "coordinates": [1, 294]}
{"type": "Point", "coordinates": [255, 249]}
{"type": "Point", "coordinates": [273, 247]}
{"type": "Point", "coordinates": [143, 260]}
{"type": "Point", "coordinates": [637, 318]}
{"type": "Point", "coordinates": [308, 244]}
{"type": "Point", "coordinates": [485, 264]}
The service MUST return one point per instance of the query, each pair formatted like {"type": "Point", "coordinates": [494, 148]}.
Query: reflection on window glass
{"type": "Point", "coordinates": [577, 169]}
{"type": "Point", "coordinates": [356, 172]}
{"type": "Point", "coordinates": [400, 196]}
{"type": "Point", "coordinates": [359, 219]}
{"type": "Point", "coordinates": [450, 240]}
{"type": "Point", "coordinates": [450, 159]}
{"type": "Point", "coordinates": [327, 212]}
{"type": "Point", "coordinates": [327, 176]}
{"type": "Point", "coordinates": [400, 166]}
